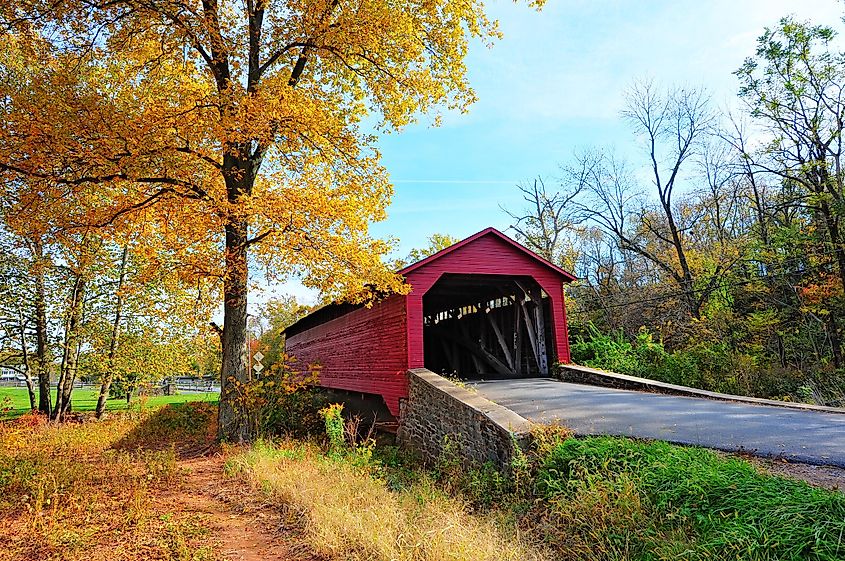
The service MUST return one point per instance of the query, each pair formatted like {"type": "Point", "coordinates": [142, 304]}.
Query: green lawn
{"type": "Point", "coordinates": [15, 401]}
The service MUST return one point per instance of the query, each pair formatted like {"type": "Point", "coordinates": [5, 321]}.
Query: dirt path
{"type": "Point", "coordinates": [243, 527]}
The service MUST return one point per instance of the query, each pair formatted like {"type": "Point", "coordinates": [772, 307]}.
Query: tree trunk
{"type": "Point", "coordinates": [64, 388]}
{"type": "Point", "coordinates": [687, 282]}
{"type": "Point", "coordinates": [41, 359]}
{"type": "Point", "coordinates": [30, 389]}
{"type": "Point", "coordinates": [234, 421]}
{"type": "Point", "coordinates": [27, 361]}
{"type": "Point", "coordinates": [115, 335]}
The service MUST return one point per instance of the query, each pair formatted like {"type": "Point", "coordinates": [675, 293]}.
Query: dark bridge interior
{"type": "Point", "coordinates": [487, 326]}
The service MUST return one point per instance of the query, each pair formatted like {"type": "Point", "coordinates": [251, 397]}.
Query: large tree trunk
{"type": "Point", "coordinates": [234, 421]}
{"type": "Point", "coordinates": [115, 335]}
{"type": "Point", "coordinates": [41, 359]}
{"type": "Point", "coordinates": [64, 388]}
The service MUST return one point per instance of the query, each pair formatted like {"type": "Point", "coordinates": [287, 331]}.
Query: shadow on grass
{"type": "Point", "coordinates": [189, 428]}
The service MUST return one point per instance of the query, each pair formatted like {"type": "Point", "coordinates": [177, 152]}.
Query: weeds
{"type": "Point", "coordinates": [351, 513]}
{"type": "Point", "coordinates": [658, 499]}
{"type": "Point", "coordinates": [333, 419]}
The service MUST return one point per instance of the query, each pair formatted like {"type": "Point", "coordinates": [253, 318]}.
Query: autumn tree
{"type": "Point", "coordinates": [242, 122]}
{"type": "Point", "coordinates": [143, 320]}
{"type": "Point", "coordinates": [15, 319]}
{"type": "Point", "coordinates": [434, 243]}
{"type": "Point", "coordinates": [672, 127]}
{"type": "Point", "coordinates": [793, 88]}
{"type": "Point", "coordinates": [26, 275]}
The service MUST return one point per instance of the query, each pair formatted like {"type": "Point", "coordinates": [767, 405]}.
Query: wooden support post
{"type": "Point", "coordinates": [526, 293]}
{"type": "Point", "coordinates": [479, 369]}
{"type": "Point", "coordinates": [482, 327]}
{"type": "Point", "coordinates": [450, 356]}
{"type": "Point", "coordinates": [499, 337]}
{"type": "Point", "coordinates": [543, 357]}
{"type": "Point", "coordinates": [529, 327]}
{"type": "Point", "coordinates": [477, 351]}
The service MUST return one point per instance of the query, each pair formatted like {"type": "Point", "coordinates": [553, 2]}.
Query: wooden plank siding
{"type": "Point", "coordinates": [370, 349]}
{"type": "Point", "coordinates": [362, 351]}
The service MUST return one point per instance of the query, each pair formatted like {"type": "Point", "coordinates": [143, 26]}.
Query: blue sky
{"type": "Point", "coordinates": [555, 83]}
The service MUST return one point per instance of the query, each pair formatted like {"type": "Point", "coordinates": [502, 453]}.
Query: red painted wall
{"type": "Point", "coordinates": [487, 255]}
{"type": "Point", "coordinates": [361, 351]}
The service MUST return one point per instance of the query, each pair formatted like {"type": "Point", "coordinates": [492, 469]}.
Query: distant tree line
{"type": "Point", "coordinates": [718, 259]}
{"type": "Point", "coordinates": [103, 309]}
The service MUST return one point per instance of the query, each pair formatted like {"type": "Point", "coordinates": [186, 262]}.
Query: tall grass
{"type": "Point", "coordinates": [654, 500]}
{"type": "Point", "coordinates": [348, 512]}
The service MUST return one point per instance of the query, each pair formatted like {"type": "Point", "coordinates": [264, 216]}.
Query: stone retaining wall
{"type": "Point", "coordinates": [438, 411]}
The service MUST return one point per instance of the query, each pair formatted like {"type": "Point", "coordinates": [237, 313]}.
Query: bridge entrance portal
{"type": "Point", "coordinates": [488, 326]}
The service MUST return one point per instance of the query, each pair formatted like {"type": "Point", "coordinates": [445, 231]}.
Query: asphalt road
{"type": "Point", "coordinates": [804, 436]}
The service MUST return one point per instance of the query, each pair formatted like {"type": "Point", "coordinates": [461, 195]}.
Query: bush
{"type": "Point", "coordinates": [184, 425]}
{"type": "Point", "coordinates": [293, 413]}
{"type": "Point", "coordinates": [708, 365]}
{"type": "Point", "coordinates": [283, 402]}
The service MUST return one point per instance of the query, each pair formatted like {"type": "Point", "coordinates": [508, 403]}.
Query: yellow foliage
{"type": "Point", "coordinates": [170, 121]}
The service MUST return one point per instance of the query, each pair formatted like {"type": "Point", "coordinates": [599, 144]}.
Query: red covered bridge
{"type": "Point", "coordinates": [483, 307]}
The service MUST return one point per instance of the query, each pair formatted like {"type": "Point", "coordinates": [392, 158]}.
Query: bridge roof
{"type": "Point", "coordinates": [568, 277]}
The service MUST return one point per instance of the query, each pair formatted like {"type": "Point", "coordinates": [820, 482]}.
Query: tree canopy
{"type": "Point", "coordinates": [233, 133]}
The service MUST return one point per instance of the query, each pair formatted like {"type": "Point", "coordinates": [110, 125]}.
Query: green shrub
{"type": "Point", "coordinates": [293, 413]}
{"type": "Point", "coordinates": [608, 351]}
{"type": "Point", "coordinates": [708, 365]}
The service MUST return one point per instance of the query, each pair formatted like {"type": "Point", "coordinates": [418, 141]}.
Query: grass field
{"type": "Point", "coordinates": [567, 499]}
{"type": "Point", "coordinates": [15, 401]}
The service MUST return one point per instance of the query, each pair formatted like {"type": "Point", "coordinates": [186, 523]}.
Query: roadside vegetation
{"type": "Point", "coordinates": [712, 365]}
{"type": "Point", "coordinates": [712, 253]}
{"type": "Point", "coordinates": [114, 489]}
{"type": "Point", "coordinates": [598, 498]}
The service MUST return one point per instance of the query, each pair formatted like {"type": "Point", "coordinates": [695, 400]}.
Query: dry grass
{"type": "Point", "coordinates": [347, 513]}
{"type": "Point", "coordinates": [66, 493]}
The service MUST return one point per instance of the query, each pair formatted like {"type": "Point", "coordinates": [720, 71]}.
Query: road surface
{"type": "Point", "coordinates": [770, 431]}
